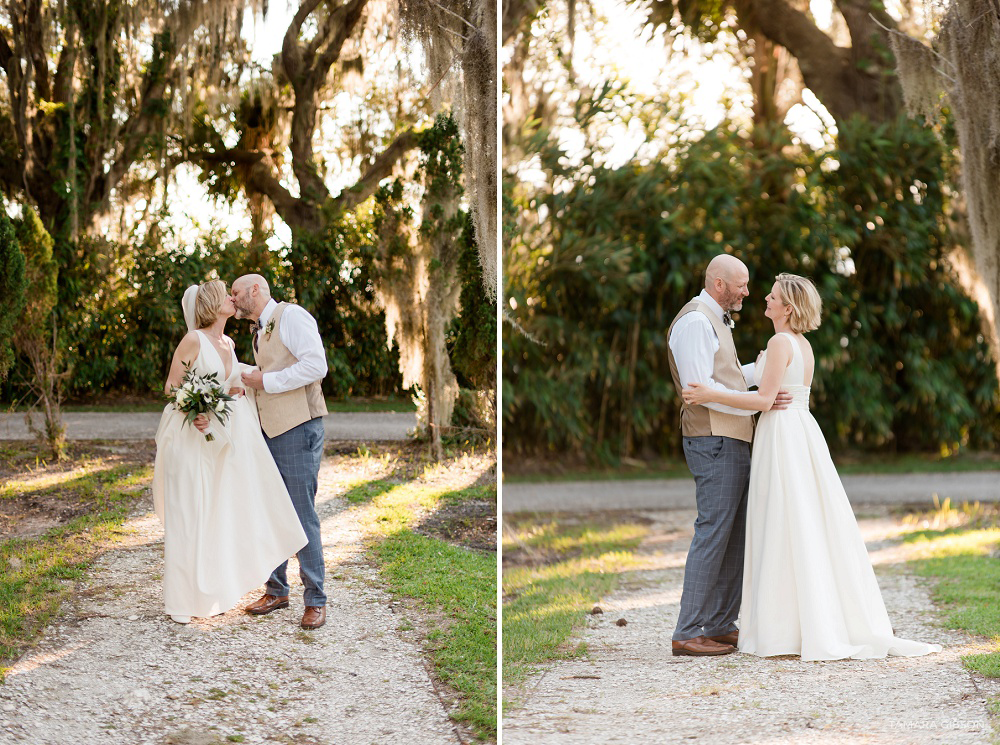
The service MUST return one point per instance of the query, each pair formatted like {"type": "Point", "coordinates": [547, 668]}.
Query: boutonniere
{"type": "Point", "coordinates": [268, 329]}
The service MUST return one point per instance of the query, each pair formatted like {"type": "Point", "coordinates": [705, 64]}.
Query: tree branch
{"type": "Point", "coordinates": [380, 169]}
{"type": "Point", "coordinates": [62, 88]}
{"type": "Point", "coordinates": [307, 73]}
{"type": "Point", "coordinates": [142, 122]}
{"type": "Point", "coordinates": [291, 49]}
{"type": "Point", "coordinates": [5, 52]}
{"type": "Point", "coordinates": [35, 45]}
{"type": "Point", "coordinates": [794, 30]}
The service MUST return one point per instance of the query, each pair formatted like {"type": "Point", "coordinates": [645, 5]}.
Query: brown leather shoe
{"type": "Point", "coordinates": [700, 646]}
{"type": "Point", "coordinates": [732, 638]}
{"type": "Point", "coordinates": [314, 617]}
{"type": "Point", "coordinates": [266, 605]}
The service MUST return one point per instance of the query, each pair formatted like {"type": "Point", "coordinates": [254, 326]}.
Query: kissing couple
{"type": "Point", "coordinates": [234, 509]}
{"type": "Point", "coordinates": [776, 544]}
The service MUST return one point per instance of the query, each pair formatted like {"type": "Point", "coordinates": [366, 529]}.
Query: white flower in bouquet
{"type": "Point", "coordinates": [201, 394]}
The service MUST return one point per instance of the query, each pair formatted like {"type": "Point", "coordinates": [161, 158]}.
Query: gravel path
{"type": "Point", "coordinates": [367, 426]}
{"type": "Point", "coordinates": [112, 669]}
{"type": "Point", "coordinates": [658, 494]}
{"type": "Point", "coordinates": [631, 689]}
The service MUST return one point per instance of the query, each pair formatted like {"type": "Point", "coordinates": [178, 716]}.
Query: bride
{"type": "Point", "coordinates": [227, 517]}
{"type": "Point", "coordinates": [808, 584]}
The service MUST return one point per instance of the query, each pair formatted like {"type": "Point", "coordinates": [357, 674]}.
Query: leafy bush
{"type": "Point", "coordinates": [602, 263]}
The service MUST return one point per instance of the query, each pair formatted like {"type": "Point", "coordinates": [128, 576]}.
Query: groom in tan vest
{"type": "Point", "coordinates": [292, 363]}
{"type": "Point", "coordinates": [717, 450]}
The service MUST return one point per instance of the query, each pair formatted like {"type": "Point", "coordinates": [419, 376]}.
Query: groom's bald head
{"type": "Point", "coordinates": [249, 281]}
{"type": "Point", "coordinates": [250, 294]}
{"type": "Point", "coordinates": [726, 280]}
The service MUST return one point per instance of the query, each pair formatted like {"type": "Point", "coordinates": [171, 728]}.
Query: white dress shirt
{"type": "Point", "coordinates": [694, 344]}
{"type": "Point", "coordinates": [300, 335]}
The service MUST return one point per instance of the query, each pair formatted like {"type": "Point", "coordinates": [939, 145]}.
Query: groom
{"type": "Point", "coordinates": [716, 441]}
{"type": "Point", "coordinates": [292, 362]}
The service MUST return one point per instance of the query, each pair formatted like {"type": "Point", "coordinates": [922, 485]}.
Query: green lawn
{"type": "Point", "coordinates": [37, 572]}
{"type": "Point", "coordinates": [553, 575]}
{"type": "Point", "coordinates": [156, 404]}
{"type": "Point", "coordinates": [457, 585]}
{"type": "Point", "coordinates": [854, 463]}
{"type": "Point", "coordinates": [967, 587]}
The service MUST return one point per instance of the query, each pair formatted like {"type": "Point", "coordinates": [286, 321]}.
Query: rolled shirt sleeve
{"type": "Point", "coordinates": [694, 345]}
{"type": "Point", "coordinates": [300, 335]}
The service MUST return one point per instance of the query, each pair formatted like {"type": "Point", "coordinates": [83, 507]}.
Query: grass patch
{"type": "Point", "coordinates": [967, 588]}
{"type": "Point", "coordinates": [33, 570]}
{"type": "Point", "coordinates": [461, 584]}
{"type": "Point", "coordinates": [541, 471]}
{"type": "Point", "coordinates": [366, 491]}
{"type": "Point", "coordinates": [136, 405]}
{"type": "Point", "coordinates": [371, 404]}
{"type": "Point", "coordinates": [455, 584]}
{"type": "Point", "coordinates": [569, 567]}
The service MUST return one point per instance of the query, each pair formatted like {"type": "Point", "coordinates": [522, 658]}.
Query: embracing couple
{"type": "Point", "coordinates": [238, 506]}
{"type": "Point", "coordinates": [776, 544]}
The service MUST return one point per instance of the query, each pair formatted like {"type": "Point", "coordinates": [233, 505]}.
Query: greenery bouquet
{"type": "Point", "coordinates": [201, 394]}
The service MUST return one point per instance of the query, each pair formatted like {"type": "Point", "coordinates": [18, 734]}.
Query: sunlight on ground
{"type": "Point", "coordinates": [972, 542]}
{"type": "Point", "coordinates": [28, 663]}
{"type": "Point", "coordinates": [48, 479]}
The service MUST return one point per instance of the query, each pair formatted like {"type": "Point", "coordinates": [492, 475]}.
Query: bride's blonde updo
{"type": "Point", "coordinates": [801, 295]}
{"type": "Point", "coordinates": [211, 296]}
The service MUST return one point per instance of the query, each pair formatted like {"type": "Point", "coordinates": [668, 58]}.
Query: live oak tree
{"type": "Point", "coordinates": [851, 70]}
{"type": "Point", "coordinates": [418, 273]}
{"type": "Point", "coordinates": [961, 69]}
{"type": "Point", "coordinates": [93, 87]}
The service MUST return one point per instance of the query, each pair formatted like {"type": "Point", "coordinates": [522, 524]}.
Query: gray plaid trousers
{"type": "Point", "coordinates": [713, 573]}
{"type": "Point", "coordinates": [298, 453]}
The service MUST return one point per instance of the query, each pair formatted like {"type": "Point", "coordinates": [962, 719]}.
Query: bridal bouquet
{"type": "Point", "coordinates": [201, 394]}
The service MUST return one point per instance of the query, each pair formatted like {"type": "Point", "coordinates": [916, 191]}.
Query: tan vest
{"type": "Point", "coordinates": [280, 412]}
{"type": "Point", "coordinates": [699, 421]}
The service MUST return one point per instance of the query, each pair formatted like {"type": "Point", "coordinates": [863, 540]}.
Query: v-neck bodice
{"type": "Point", "coordinates": [220, 369]}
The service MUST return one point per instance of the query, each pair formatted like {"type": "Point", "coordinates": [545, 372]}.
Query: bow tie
{"type": "Point", "coordinates": [255, 327]}
{"type": "Point", "coordinates": [727, 319]}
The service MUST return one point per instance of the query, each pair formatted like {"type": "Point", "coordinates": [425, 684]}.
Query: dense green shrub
{"type": "Point", "coordinates": [601, 266]}
{"type": "Point", "coordinates": [12, 287]}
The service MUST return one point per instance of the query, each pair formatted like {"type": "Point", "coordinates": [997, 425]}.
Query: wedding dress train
{"type": "Point", "coordinates": [808, 584]}
{"type": "Point", "coordinates": [228, 520]}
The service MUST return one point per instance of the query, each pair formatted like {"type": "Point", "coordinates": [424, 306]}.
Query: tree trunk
{"type": "Point", "coordinates": [858, 79]}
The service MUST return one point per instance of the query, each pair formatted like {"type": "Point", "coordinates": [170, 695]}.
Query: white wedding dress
{"type": "Point", "coordinates": [227, 518]}
{"type": "Point", "coordinates": [808, 585]}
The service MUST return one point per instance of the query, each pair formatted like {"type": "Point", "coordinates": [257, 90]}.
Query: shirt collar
{"type": "Point", "coordinates": [266, 314]}
{"type": "Point", "coordinates": [711, 303]}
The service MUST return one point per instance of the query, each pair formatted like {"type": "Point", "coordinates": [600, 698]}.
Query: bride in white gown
{"type": "Point", "coordinates": [808, 584]}
{"type": "Point", "coordinates": [227, 517]}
